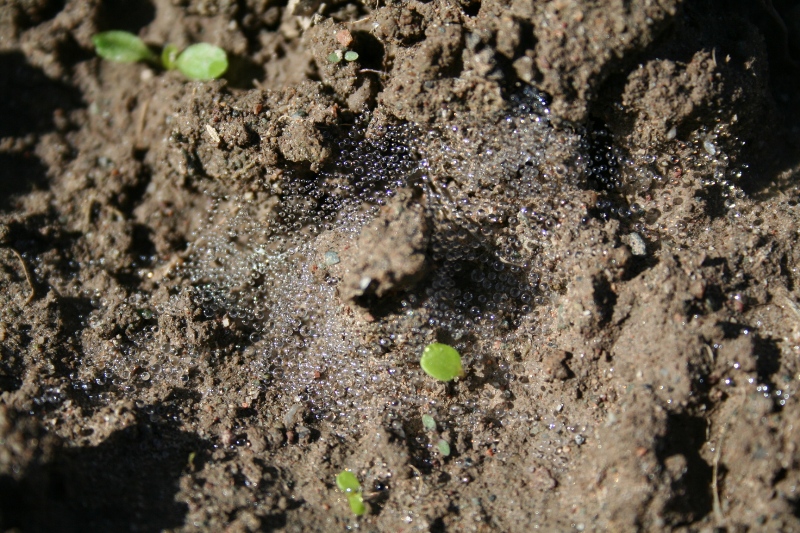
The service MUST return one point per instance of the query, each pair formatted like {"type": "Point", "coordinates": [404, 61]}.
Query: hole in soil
{"type": "Point", "coordinates": [370, 50]}
{"type": "Point", "coordinates": [471, 8]}
{"type": "Point", "coordinates": [242, 71]}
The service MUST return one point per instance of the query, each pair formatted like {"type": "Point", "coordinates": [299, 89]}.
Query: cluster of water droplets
{"type": "Point", "coordinates": [261, 267]}
{"type": "Point", "coordinates": [495, 190]}
{"type": "Point", "coordinates": [262, 262]}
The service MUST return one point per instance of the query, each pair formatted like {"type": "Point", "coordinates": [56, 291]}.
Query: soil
{"type": "Point", "coordinates": [215, 294]}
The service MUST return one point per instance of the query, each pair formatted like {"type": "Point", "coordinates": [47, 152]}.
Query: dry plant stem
{"type": "Point", "coordinates": [140, 125]}
{"type": "Point", "coordinates": [421, 485]}
{"type": "Point", "coordinates": [28, 277]}
{"type": "Point", "coordinates": [374, 71]}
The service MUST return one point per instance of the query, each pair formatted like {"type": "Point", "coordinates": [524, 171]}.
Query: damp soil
{"type": "Point", "coordinates": [634, 360]}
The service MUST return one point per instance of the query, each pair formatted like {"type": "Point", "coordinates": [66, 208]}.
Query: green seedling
{"type": "Point", "coordinates": [444, 447]}
{"type": "Point", "coordinates": [169, 57]}
{"type": "Point", "coordinates": [348, 483]}
{"type": "Point", "coordinates": [441, 362]}
{"type": "Point", "coordinates": [201, 61]}
{"type": "Point", "coordinates": [122, 47]}
{"type": "Point", "coordinates": [428, 423]}
{"type": "Point", "coordinates": [337, 55]}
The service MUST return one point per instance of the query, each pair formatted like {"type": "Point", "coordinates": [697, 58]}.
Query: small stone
{"type": "Point", "coordinates": [698, 289]}
{"type": "Point", "coordinates": [344, 37]}
{"type": "Point", "coordinates": [331, 258]}
{"type": "Point", "coordinates": [524, 69]}
{"type": "Point", "coordinates": [637, 244]}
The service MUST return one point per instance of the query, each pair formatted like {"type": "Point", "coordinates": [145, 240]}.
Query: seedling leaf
{"type": "Point", "coordinates": [441, 362]}
{"type": "Point", "coordinates": [348, 483]}
{"type": "Point", "coordinates": [356, 501]}
{"type": "Point", "coordinates": [202, 61]}
{"type": "Point", "coordinates": [121, 47]}
{"type": "Point", "coordinates": [169, 56]}
{"type": "Point", "coordinates": [428, 423]}
{"type": "Point", "coordinates": [444, 447]}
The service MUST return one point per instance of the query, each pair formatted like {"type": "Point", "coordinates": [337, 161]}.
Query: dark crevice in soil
{"type": "Point", "coordinates": [640, 264]}
{"type": "Point", "coordinates": [371, 52]}
{"type": "Point", "coordinates": [768, 361]}
{"type": "Point", "coordinates": [691, 486]}
{"type": "Point", "coordinates": [242, 71]}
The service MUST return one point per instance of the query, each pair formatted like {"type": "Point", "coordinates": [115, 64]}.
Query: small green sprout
{"type": "Point", "coordinates": [201, 61]}
{"type": "Point", "coordinates": [169, 56]}
{"type": "Point", "coordinates": [444, 447]}
{"type": "Point", "coordinates": [348, 483]}
{"type": "Point", "coordinates": [337, 55]}
{"type": "Point", "coordinates": [428, 423]}
{"type": "Point", "coordinates": [441, 362]}
{"type": "Point", "coordinates": [122, 47]}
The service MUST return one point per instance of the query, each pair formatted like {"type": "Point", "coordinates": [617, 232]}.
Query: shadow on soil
{"type": "Point", "coordinates": [126, 483]}
{"type": "Point", "coordinates": [29, 100]}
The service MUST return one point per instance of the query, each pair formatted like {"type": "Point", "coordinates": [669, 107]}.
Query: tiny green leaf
{"type": "Point", "coordinates": [350, 55]}
{"type": "Point", "coordinates": [428, 422]}
{"type": "Point", "coordinates": [335, 57]}
{"type": "Point", "coordinates": [348, 483]}
{"type": "Point", "coordinates": [169, 56]}
{"type": "Point", "coordinates": [121, 47]}
{"type": "Point", "coordinates": [441, 362]}
{"type": "Point", "coordinates": [356, 501]}
{"type": "Point", "coordinates": [202, 61]}
{"type": "Point", "coordinates": [444, 447]}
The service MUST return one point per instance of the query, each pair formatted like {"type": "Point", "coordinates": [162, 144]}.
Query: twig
{"type": "Point", "coordinates": [419, 477]}
{"type": "Point", "coordinates": [28, 277]}
{"type": "Point", "coordinates": [710, 352]}
{"type": "Point", "coordinates": [140, 124]}
{"type": "Point", "coordinates": [717, 505]}
{"type": "Point", "coordinates": [374, 71]}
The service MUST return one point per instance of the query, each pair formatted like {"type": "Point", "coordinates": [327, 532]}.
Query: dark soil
{"type": "Point", "coordinates": [215, 295]}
